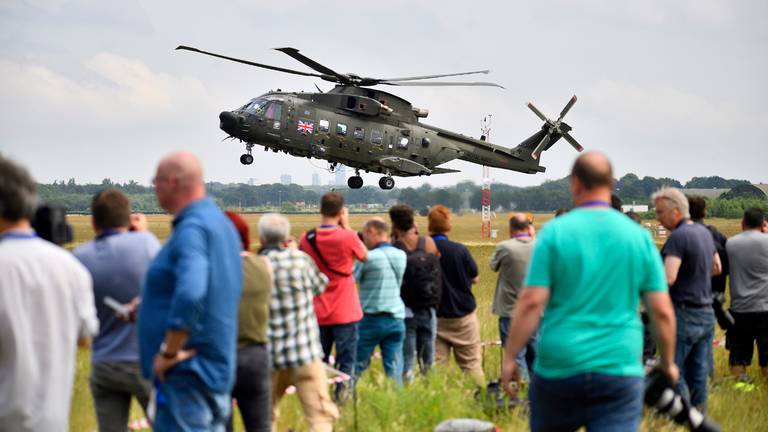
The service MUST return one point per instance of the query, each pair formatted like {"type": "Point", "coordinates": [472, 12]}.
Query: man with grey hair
{"type": "Point", "coordinates": [690, 261]}
{"type": "Point", "coordinates": [293, 330]}
{"type": "Point", "coordinates": [46, 310]}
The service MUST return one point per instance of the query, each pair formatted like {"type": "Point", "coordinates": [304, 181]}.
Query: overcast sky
{"type": "Point", "coordinates": [94, 89]}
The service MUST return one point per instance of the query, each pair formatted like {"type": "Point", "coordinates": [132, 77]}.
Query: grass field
{"type": "Point", "coordinates": [447, 393]}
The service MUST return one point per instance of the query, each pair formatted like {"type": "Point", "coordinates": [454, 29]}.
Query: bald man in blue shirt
{"type": "Point", "coordinates": [188, 314]}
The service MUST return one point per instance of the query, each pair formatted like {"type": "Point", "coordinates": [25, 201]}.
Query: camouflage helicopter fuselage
{"type": "Point", "coordinates": [368, 130]}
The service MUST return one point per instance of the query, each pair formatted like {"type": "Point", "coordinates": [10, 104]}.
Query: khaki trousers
{"type": "Point", "coordinates": [463, 336]}
{"type": "Point", "coordinates": [311, 385]}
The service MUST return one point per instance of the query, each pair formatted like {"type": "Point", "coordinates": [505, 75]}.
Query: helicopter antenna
{"type": "Point", "coordinates": [485, 190]}
{"type": "Point", "coordinates": [318, 88]}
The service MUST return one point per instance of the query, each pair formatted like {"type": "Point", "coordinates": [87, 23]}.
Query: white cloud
{"type": "Point", "coordinates": [124, 91]}
{"type": "Point", "coordinates": [663, 106]}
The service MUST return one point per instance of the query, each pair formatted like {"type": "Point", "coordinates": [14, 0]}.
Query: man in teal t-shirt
{"type": "Point", "coordinates": [588, 272]}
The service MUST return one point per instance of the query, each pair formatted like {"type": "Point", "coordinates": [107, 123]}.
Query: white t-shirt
{"type": "Point", "coordinates": [46, 305]}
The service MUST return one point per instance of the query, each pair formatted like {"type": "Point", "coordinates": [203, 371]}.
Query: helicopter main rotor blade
{"type": "Point", "coordinates": [538, 113]}
{"type": "Point", "coordinates": [294, 53]}
{"type": "Point", "coordinates": [440, 84]}
{"type": "Point", "coordinates": [250, 63]}
{"type": "Point", "coordinates": [434, 76]}
{"type": "Point", "coordinates": [573, 142]}
{"type": "Point", "coordinates": [567, 108]}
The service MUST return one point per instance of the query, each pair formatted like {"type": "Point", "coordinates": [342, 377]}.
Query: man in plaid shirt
{"type": "Point", "coordinates": [293, 331]}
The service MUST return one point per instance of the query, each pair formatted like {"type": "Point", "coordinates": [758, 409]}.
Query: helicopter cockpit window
{"type": "Point", "coordinates": [256, 106]}
{"type": "Point", "coordinates": [403, 143]}
{"type": "Point", "coordinates": [341, 129]}
{"type": "Point", "coordinates": [323, 126]}
{"type": "Point", "coordinates": [359, 133]}
{"type": "Point", "coordinates": [376, 136]}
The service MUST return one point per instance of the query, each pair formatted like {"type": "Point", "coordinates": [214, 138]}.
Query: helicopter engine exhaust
{"type": "Point", "coordinates": [420, 112]}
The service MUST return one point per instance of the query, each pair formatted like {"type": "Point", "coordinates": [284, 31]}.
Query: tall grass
{"type": "Point", "coordinates": [447, 393]}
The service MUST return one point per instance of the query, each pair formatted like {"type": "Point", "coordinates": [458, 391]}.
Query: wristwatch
{"type": "Point", "coordinates": [164, 351]}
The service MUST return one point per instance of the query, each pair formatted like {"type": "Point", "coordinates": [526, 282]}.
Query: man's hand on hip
{"type": "Point", "coordinates": [162, 363]}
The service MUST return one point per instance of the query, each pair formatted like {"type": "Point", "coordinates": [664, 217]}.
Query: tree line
{"type": "Point", "coordinates": [548, 196]}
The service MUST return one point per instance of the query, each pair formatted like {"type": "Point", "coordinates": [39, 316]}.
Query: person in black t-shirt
{"type": "Point", "coordinates": [458, 328]}
{"type": "Point", "coordinates": [698, 209]}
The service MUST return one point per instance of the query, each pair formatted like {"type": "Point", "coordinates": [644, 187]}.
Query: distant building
{"type": "Point", "coordinates": [315, 179]}
{"type": "Point", "coordinates": [749, 190]}
{"type": "Point", "coordinates": [251, 181]}
{"type": "Point", "coordinates": [341, 175]}
{"type": "Point", "coordinates": [285, 179]}
{"type": "Point", "coordinates": [637, 208]}
{"type": "Point", "coordinates": [763, 187]}
{"type": "Point", "coordinates": [706, 193]}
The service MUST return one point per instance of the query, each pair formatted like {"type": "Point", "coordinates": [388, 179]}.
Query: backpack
{"type": "Point", "coordinates": [423, 279]}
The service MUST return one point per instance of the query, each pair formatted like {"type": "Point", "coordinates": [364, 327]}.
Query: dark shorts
{"type": "Point", "coordinates": [750, 327]}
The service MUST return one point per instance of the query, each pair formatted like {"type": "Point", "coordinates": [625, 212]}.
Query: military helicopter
{"type": "Point", "coordinates": [371, 130]}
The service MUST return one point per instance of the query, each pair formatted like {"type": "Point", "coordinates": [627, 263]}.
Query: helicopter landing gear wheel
{"type": "Point", "coordinates": [386, 183]}
{"type": "Point", "coordinates": [246, 159]}
{"type": "Point", "coordinates": [355, 182]}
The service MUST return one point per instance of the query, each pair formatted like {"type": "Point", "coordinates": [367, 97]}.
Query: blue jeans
{"type": "Point", "coordinates": [526, 356]}
{"type": "Point", "coordinates": [187, 405]}
{"type": "Point", "coordinates": [420, 333]}
{"type": "Point", "coordinates": [345, 336]}
{"type": "Point", "coordinates": [695, 329]}
{"type": "Point", "coordinates": [388, 332]}
{"type": "Point", "coordinates": [598, 401]}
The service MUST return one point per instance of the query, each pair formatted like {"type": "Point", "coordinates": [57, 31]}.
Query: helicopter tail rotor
{"type": "Point", "coordinates": [553, 130]}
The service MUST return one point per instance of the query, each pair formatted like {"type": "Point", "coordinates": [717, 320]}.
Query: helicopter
{"type": "Point", "coordinates": [372, 130]}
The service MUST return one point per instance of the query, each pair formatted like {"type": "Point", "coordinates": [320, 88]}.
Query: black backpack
{"type": "Point", "coordinates": [423, 279]}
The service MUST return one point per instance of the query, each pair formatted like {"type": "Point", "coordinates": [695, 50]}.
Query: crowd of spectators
{"type": "Point", "coordinates": [189, 326]}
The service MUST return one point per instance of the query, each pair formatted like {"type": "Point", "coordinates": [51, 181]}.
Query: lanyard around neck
{"type": "Point", "coordinates": [595, 203]}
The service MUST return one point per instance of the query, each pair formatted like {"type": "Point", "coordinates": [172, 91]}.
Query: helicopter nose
{"type": "Point", "coordinates": [228, 122]}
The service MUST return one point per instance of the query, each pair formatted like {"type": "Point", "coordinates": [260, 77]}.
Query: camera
{"type": "Point", "coordinates": [661, 395]}
{"type": "Point", "coordinates": [50, 223]}
{"type": "Point", "coordinates": [724, 318]}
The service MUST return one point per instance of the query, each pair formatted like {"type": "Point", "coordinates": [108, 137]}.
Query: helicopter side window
{"type": "Point", "coordinates": [273, 112]}
{"type": "Point", "coordinates": [341, 129]}
{"type": "Point", "coordinates": [359, 133]}
{"type": "Point", "coordinates": [403, 144]}
{"type": "Point", "coordinates": [376, 136]}
{"type": "Point", "coordinates": [323, 126]}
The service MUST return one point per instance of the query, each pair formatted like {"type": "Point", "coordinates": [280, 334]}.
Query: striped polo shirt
{"type": "Point", "coordinates": [379, 279]}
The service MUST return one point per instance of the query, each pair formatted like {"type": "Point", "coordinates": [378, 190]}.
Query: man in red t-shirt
{"type": "Point", "coordinates": [334, 246]}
